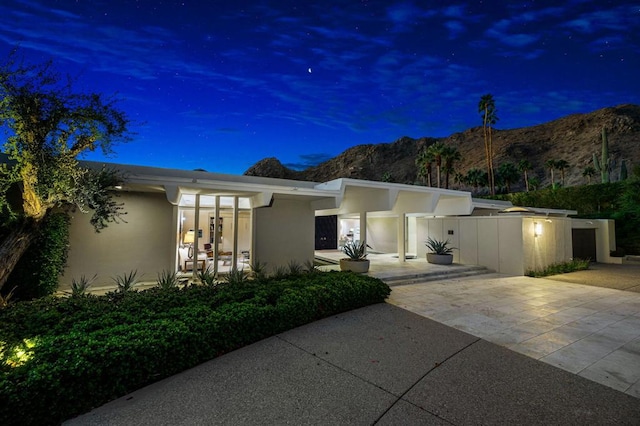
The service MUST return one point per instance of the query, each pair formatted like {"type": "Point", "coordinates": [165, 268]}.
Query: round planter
{"type": "Point", "coordinates": [359, 266]}
{"type": "Point", "coordinates": [440, 259]}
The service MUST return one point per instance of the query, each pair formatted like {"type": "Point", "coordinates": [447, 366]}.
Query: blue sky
{"type": "Point", "coordinates": [220, 85]}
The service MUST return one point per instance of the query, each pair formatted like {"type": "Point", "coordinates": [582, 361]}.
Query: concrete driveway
{"type": "Point", "coordinates": [588, 330]}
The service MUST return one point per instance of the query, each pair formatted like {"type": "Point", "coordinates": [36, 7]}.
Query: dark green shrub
{"type": "Point", "coordinates": [80, 352]}
{"type": "Point", "coordinates": [560, 268]}
{"type": "Point", "coordinates": [37, 272]}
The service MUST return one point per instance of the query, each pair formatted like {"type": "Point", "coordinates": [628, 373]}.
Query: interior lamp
{"type": "Point", "coordinates": [188, 239]}
{"type": "Point", "coordinates": [537, 229]}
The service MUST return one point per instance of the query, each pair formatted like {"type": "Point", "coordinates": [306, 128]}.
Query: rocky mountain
{"type": "Point", "coordinates": [574, 138]}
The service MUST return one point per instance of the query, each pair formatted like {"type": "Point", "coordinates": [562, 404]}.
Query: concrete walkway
{"type": "Point", "coordinates": [377, 365]}
{"type": "Point", "coordinates": [588, 330]}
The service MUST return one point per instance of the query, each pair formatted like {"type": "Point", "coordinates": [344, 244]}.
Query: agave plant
{"type": "Point", "coordinates": [439, 246]}
{"type": "Point", "coordinates": [258, 270]}
{"type": "Point", "coordinates": [81, 286]}
{"type": "Point", "coordinates": [126, 282]}
{"type": "Point", "coordinates": [236, 277]}
{"type": "Point", "coordinates": [207, 277]}
{"type": "Point", "coordinates": [356, 250]}
{"type": "Point", "coordinates": [167, 280]}
{"type": "Point", "coordinates": [6, 299]}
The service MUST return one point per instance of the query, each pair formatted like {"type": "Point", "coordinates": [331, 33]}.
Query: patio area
{"type": "Point", "coordinates": [387, 267]}
{"type": "Point", "coordinates": [590, 331]}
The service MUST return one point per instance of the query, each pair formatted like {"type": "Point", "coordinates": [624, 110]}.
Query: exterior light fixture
{"type": "Point", "coordinates": [537, 229]}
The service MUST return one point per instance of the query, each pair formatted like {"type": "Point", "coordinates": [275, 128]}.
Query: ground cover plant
{"type": "Point", "coordinates": [60, 357]}
{"type": "Point", "coordinates": [560, 268]}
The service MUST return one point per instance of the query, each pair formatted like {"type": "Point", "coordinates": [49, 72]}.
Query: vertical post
{"type": "Point", "coordinates": [234, 255]}
{"type": "Point", "coordinates": [216, 235]}
{"type": "Point", "coordinates": [196, 225]}
{"type": "Point", "coordinates": [402, 229]}
{"type": "Point", "coordinates": [363, 228]}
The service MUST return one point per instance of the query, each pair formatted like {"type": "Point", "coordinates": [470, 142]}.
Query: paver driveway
{"type": "Point", "coordinates": [590, 331]}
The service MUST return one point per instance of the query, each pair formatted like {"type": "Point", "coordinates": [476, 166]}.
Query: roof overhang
{"type": "Point", "coordinates": [506, 208]}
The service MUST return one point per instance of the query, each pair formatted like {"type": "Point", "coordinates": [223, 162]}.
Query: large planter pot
{"type": "Point", "coordinates": [440, 259]}
{"type": "Point", "coordinates": [359, 266]}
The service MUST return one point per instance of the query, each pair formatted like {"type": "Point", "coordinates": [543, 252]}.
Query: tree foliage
{"type": "Point", "coordinates": [47, 127]}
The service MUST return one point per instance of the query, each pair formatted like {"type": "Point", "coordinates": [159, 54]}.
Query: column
{"type": "Point", "coordinates": [402, 228]}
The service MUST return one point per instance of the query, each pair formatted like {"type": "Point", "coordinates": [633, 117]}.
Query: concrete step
{"type": "Point", "coordinates": [459, 272]}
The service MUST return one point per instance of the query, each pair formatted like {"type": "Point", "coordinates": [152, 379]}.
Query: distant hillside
{"type": "Point", "coordinates": [573, 138]}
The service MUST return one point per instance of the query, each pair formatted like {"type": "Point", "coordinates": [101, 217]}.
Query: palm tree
{"type": "Point", "coordinates": [562, 165]}
{"type": "Point", "coordinates": [437, 149]}
{"type": "Point", "coordinates": [459, 179]}
{"type": "Point", "coordinates": [524, 166]}
{"type": "Point", "coordinates": [476, 178]}
{"type": "Point", "coordinates": [508, 174]}
{"type": "Point", "coordinates": [487, 108]}
{"type": "Point", "coordinates": [424, 163]}
{"type": "Point", "coordinates": [534, 183]}
{"type": "Point", "coordinates": [589, 172]}
{"type": "Point", "coordinates": [551, 165]}
{"type": "Point", "coordinates": [450, 155]}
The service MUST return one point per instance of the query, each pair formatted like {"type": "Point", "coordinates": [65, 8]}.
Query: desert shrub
{"type": "Point", "coordinates": [64, 356]}
{"type": "Point", "coordinates": [36, 273]}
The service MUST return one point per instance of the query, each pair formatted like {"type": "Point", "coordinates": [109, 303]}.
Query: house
{"type": "Point", "coordinates": [180, 220]}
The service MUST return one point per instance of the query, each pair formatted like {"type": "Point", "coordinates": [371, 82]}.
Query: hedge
{"type": "Point", "coordinates": [89, 350]}
{"type": "Point", "coordinates": [36, 273]}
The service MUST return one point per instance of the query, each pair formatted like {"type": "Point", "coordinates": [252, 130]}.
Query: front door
{"type": "Point", "coordinates": [326, 232]}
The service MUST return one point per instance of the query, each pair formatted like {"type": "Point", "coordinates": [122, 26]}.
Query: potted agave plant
{"type": "Point", "coordinates": [441, 253]}
{"type": "Point", "coordinates": [356, 260]}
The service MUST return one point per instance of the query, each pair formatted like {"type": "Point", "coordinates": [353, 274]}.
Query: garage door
{"type": "Point", "coordinates": [584, 244]}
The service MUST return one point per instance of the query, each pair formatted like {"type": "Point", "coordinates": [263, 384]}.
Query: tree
{"type": "Point", "coordinates": [534, 183]}
{"type": "Point", "coordinates": [436, 150]}
{"type": "Point", "coordinates": [424, 162]}
{"type": "Point", "coordinates": [487, 108]}
{"type": "Point", "coordinates": [476, 178]}
{"type": "Point", "coordinates": [450, 155]}
{"type": "Point", "coordinates": [589, 172]}
{"type": "Point", "coordinates": [508, 174]}
{"type": "Point", "coordinates": [562, 165]}
{"type": "Point", "coordinates": [524, 166]}
{"type": "Point", "coordinates": [551, 165]}
{"type": "Point", "coordinates": [48, 126]}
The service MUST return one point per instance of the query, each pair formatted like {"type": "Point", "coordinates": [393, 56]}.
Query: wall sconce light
{"type": "Point", "coordinates": [537, 229]}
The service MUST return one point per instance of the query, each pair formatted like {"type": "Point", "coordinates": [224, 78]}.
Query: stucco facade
{"type": "Point", "coordinates": [272, 221]}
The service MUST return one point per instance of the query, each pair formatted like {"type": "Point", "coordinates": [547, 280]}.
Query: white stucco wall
{"type": "Point", "coordinates": [284, 233]}
{"type": "Point", "coordinates": [552, 245]}
{"type": "Point", "coordinates": [382, 234]}
{"type": "Point", "coordinates": [503, 244]}
{"type": "Point", "coordinates": [144, 243]}
{"type": "Point", "coordinates": [438, 229]}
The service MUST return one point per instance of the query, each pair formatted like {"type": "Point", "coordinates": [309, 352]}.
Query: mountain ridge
{"type": "Point", "coordinates": [573, 138]}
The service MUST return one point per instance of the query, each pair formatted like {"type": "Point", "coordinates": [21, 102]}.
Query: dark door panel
{"type": "Point", "coordinates": [584, 244]}
{"type": "Point", "coordinates": [326, 232]}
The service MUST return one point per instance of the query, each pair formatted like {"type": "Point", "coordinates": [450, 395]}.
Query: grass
{"type": "Point", "coordinates": [560, 268]}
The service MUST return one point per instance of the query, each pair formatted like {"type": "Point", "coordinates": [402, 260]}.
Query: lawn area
{"type": "Point", "coordinates": [60, 357]}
